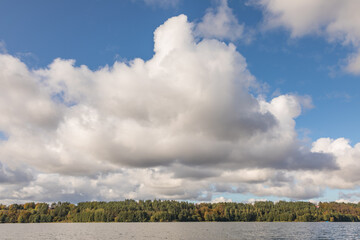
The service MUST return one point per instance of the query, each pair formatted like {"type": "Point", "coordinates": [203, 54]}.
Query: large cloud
{"type": "Point", "coordinates": [182, 125]}
{"type": "Point", "coordinates": [336, 20]}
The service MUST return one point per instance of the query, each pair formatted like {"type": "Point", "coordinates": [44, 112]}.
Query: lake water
{"type": "Point", "coordinates": [174, 231]}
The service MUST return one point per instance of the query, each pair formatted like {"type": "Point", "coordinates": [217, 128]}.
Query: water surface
{"type": "Point", "coordinates": [175, 231]}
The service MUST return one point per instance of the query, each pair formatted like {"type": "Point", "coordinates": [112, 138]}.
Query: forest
{"type": "Point", "coordinates": [175, 211]}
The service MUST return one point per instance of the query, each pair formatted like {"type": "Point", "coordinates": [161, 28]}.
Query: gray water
{"type": "Point", "coordinates": [174, 231]}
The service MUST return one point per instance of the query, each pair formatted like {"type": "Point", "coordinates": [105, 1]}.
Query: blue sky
{"type": "Point", "coordinates": [286, 57]}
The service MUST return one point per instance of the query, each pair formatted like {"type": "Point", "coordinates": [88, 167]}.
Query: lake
{"type": "Point", "coordinates": [172, 231]}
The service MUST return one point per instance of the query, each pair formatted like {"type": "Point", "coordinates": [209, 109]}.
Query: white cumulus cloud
{"type": "Point", "coordinates": [182, 125]}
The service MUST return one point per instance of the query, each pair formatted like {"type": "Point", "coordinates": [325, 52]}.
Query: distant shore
{"type": "Point", "coordinates": [175, 211]}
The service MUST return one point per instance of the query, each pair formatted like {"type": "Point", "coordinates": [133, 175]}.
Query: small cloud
{"type": "Point", "coordinates": [221, 200]}
{"type": "Point", "coordinates": [163, 3]}
{"type": "Point", "coordinates": [353, 64]}
{"type": "Point", "coordinates": [345, 201]}
{"type": "Point", "coordinates": [3, 47]}
{"type": "Point", "coordinates": [314, 201]}
{"type": "Point", "coordinates": [343, 96]}
{"type": "Point", "coordinates": [254, 200]}
{"type": "Point", "coordinates": [305, 102]}
{"type": "Point", "coordinates": [336, 21]}
{"type": "Point", "coordinates": [220, 23]}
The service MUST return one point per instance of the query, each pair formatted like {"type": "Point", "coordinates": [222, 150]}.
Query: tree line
{"type": "Point", "coordinates": [175, 211]}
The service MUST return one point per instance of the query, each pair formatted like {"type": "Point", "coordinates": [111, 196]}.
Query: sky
{"type": "Point", "coordinates": [237, 100]}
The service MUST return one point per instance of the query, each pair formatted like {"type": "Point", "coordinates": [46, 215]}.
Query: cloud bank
{"type": "Point", "coordinates": [182, 125]}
